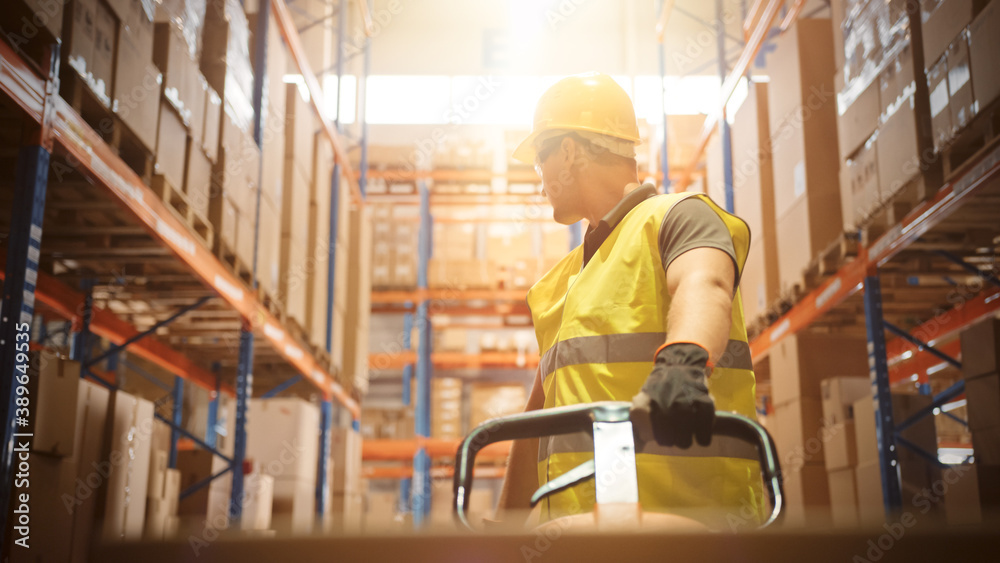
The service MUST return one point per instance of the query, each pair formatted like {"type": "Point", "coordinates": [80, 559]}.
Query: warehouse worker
{"type": "Point", "coordinates": [646, 309]}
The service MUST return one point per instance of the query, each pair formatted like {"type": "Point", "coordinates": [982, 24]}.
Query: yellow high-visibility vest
{"type": "Point", "coordinates": [598, 328]}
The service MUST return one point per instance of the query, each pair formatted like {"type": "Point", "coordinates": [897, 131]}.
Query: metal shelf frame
{"type": "Point", "coordinates": [58, 127]}
{"type": "Point", "coordinates": [889, 361]}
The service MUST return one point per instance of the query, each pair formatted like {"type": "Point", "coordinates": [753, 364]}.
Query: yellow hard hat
{"type": "Point", "coordinates": [591, 102]}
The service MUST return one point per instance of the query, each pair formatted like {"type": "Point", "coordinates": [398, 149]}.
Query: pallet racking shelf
{"type": "Point", "coordinates": [184, 265]}
{"type": "Point", "coordinates": [853, 298]}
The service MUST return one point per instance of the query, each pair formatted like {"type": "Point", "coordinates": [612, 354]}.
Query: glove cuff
{"type": "Point", "coordinates": [684, 353]}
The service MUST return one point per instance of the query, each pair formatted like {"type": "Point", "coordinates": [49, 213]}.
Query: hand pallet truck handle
{"type": "Point", "coordinates": [580, 418]}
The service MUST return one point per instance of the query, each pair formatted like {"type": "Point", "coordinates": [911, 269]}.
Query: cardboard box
{"type": "Point", "coordinates": [858, 119]}
{"type": "Point", "coordinates": [961, 101]}
{"type": "Point", "coordinates": [129, 440]}
{"type": "Point", "coordinates": [359, 297]}
{"type": "Point", "coordinates": [294, 506]}
{"type": "Point", "coordinates": [796, 427]}
{"type": "Point", "coordinates": [839, 395]}
{"type": "Point", "coordinates": [840, 446]}
{"type": "Point", "coordinates": [859, 185]}
{"type": "Point", "coordinates": [799, 362]}
{"type": "Point", "coordinates": [961, 499]}
{"type": "Point", "coordinates": [843, 497]}
{"type": "Point", "coordinates": [213, 123]}
{"type": "Point", "coordinates": [180, 72]}
{"type": "Point", "coordinates": [345, 453]}
{"type": "Point", "coordinates": [89, 45]}
{"type": "Point", "coordinates": [269, 265]}
{"type": "Point", "coordinates": [984, 43]}
{"type": "Point", "coordinates": [194, 466]}
{"type": "Point", "coordinates": [224, 216]}
{"type": "Point", "coordinates": [245, 237]}
{"type": "Point", "coordinates": [983, 401]}
{"type": "Point", "coordinates": [981, 348]}
{"type": "Point", "coordinates": [259, 491]}
{"type": "Point", "coordinates": [871, 507]}
{"type": "Point", "coordinates": [986, 444]}
{"type": "Point", "coordinates": [198, 180]}
{"type": "Point", "coordinates": [137, 82]}
{"type": "Point", "coordinates": [942, 20]}
{"type": "Point", "coordinates": [53, 387]}
{"type": "Point", "coordinates": [281, 437]}
{"type": "Point", "coordinates": [300, 131]}
{"type": "Point", "coordinates": [490, 401]}
{"type": "Point", "coordinates": [51, 538]}
{"type": "Point", "coordinates": [808, 497]}
{"type": "Point", "coordinates": [170, 142]}
{"type": "Point", "coordinates": [937, 84]}
{"type": "Point", "coordinates": [90, 464]}
{"type": "Point", "coordinates": [753, 200]}
{"type": "Point", "coordinates": [157, 514]}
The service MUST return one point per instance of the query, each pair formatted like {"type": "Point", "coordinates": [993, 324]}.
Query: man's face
{"type": "Point", "coordinates": [553, 163]}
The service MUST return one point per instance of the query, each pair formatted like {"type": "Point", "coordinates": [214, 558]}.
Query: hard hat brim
{"type": "Point", "coordinates": [525, 152]}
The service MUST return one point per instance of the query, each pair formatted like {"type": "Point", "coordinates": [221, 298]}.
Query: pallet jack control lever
{"type": "Point", "coordinates": [609, 423]}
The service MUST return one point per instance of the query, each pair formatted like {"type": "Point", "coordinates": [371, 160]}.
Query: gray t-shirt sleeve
{"type": "Point", "coordinates": [692, 224]}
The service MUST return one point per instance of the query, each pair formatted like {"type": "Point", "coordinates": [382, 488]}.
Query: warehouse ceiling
{"type": "Point", "coordinates": [552, 37]}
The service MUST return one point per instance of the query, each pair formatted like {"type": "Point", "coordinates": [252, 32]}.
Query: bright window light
{"type": "Point", "coordinates": [402, 100]}
{"type": "Point", "coordinates": [348, 97]}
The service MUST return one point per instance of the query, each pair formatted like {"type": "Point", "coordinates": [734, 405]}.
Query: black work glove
{"type": "Point", "coordinates": [679, 404]}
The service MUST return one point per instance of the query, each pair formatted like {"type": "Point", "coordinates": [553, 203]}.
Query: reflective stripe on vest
{"type": "Point", "coordinates": [598, 327]}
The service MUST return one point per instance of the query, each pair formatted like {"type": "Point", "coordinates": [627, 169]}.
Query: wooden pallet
{"type": "Point", "coordinates": [98, 115]}
{"type": "Point", "coordinates": [271, 303]}
{"type": "Point", "coordinates": [830, 260]}
{"type": "Point", "coordinates": [178, 203]}
{"type": "Point", "coordinates": [227, 255]}
{"type": "Point", "coordinates": [895, 208]}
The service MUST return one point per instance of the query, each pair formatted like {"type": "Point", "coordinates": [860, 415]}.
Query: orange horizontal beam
{"type": "Point", "coordinates": [95, 159]}
{"type": "Point", "coordinates": [455, 360]}
{"type": "Point", "coordinates": [404, 450]}
{"type": "Point", "coordinates": [443, 472]}
{"type": "Point", "coordinates": [414, 296]}
{"type": "Point", "coordinates": [68, 304]}
{"type": "Point", "coordinates": [453, 175]}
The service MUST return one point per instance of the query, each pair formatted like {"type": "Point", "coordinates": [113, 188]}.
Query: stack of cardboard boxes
{"type": "Point", "coordinates": [840, 446]}
{"type": "Point", "coordinates": [802, 120]}
{"type": "Point", "coordinates": [753, 198]}
{"type": "Point", "coordinates": [358, 308]}
{"type": "Point", "coordinates": [981, 369]}
{"type": "Point", "coordinates": [395, 247]}
{"type": "Point", "coordinates": [163, 489]}
{"type": "Point", "coordinates": [798, 363]}
{"type": "Point", "coordinates": [446, 407]}
{"type": "Point", "coordinates": [281, 439]}
{"type": "Point", "coordinates": [346, 485]}
{"type": "Point", "coordinates": [884, 113]}
{"type": "Point", "coordinates": [490, 401]}
{"type": "Point", "coordinates": [294, 262]}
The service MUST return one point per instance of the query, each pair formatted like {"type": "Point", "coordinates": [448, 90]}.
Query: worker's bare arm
{"type": "Point", "coordinates": [700, 284]}
{"type": "Point", "coordinates": [521, 479]}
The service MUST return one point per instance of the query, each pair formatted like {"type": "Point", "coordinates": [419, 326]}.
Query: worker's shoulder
{"type": "Point", "coordinates": [656, 206]}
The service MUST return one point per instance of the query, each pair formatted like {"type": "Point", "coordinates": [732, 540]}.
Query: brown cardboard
{"type": "Point", "coordinates": [294, 275]}
{"type": "Point", "coordinates": [797, 432]}
{"type": "Point", "coordinates": [281, 438]}
{"type": "Point", "coordinates": [753, 200]}
{"type": "Point", "coordinates": [871, 507]}
{"type": "Point", "coordinates": [245, 237]}
{"type": "Point", "coordinates": [213, 123]}
{"type": "Point", "coordinates": [961, 102]}
{"type": "Point", "coordinates": [981, 348]}
{"type": "Point", "coordinates": [53, 386]}
{"type": "Point", "coordinates": [180, 72]}
{"type": "Point", "coordinates": [268, 268]}
{"type": "Point", "coordinates": [840, 446]}
{"type": "Point", "coordinates": [961, 500]}
{"type": "Point", "coordinates": [90, 464]}
{"type": "Point", "coordinates": [300, 130]}
{"type": "Point", "coordinates": [490, 401]}
{"type": "Point", "coordinates": [857, 121]}
{"type": "Point", "coordinates": [859, 185]}
{"type": "Point", "coordinates": [129, 442]}
{"type": "Point", "coordinates": [197, 91]}
{"type": "Point", "coordinates": [937, 84]}
{"type": "Point", "coordinates": [843, 497]}
{"type": "Point", "coordinates": [198, 180]}
{"type": "Point", "coordinates": [808, 497]}
{"type": "Point", "coordinates": [838, 9]}
{"type": "Point", "coordinates": [79, 45]}
{"type": "Point", "coordinates": [983, 396]}
{"type": "Point", "coordinates": [800, 361]}
{"type": "Point", "coordinates": [986, 444]}
{"type": "Point", "coordinates": [136, 98]}
{"type": "Point", "coordinates": [102, 65]}
{"type": "Point", "coordinates": [294, 506]}
{"type": "Point", "coordinates": [169, 157]}
{"type": "Point", "coordinates": [839, 395]}
{"type": "Point", "coordinates": [984, 43]}
{"type": "Point", "coordinates": [224, 216]}
{"type": "Point", "coordinates": [50, 537]}
{"type": "Point", "coordinates": [359, 297]}
{"type": "Point", "coordinates": [943, 23]}
{"type": "Point", "coordinates": [345, 453]}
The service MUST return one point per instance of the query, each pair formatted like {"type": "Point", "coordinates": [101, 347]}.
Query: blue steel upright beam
{"type": "Point", "coordinates": [727, 149]}
{"type": "Point", "coordinates": [363, 114]}
{"type": "Point", "coordinates": [31, 179]}
{"type": "Point", "coordinates": [178, 407]}
{"type": "Point", "coordinates": [421, 461]}
{"type": "Point", "coordinates": [322, 485]}
{"type": "Point", "coordinates": [213, 413]}
{"type": "Point", "coordinates": [878, 370]}
{"type": "Point", "coordinates": [244, 368]}
{"type": "Point", "coordinates": [406, 483]}
{"type": "Point", "coordinates": [331, 267]}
